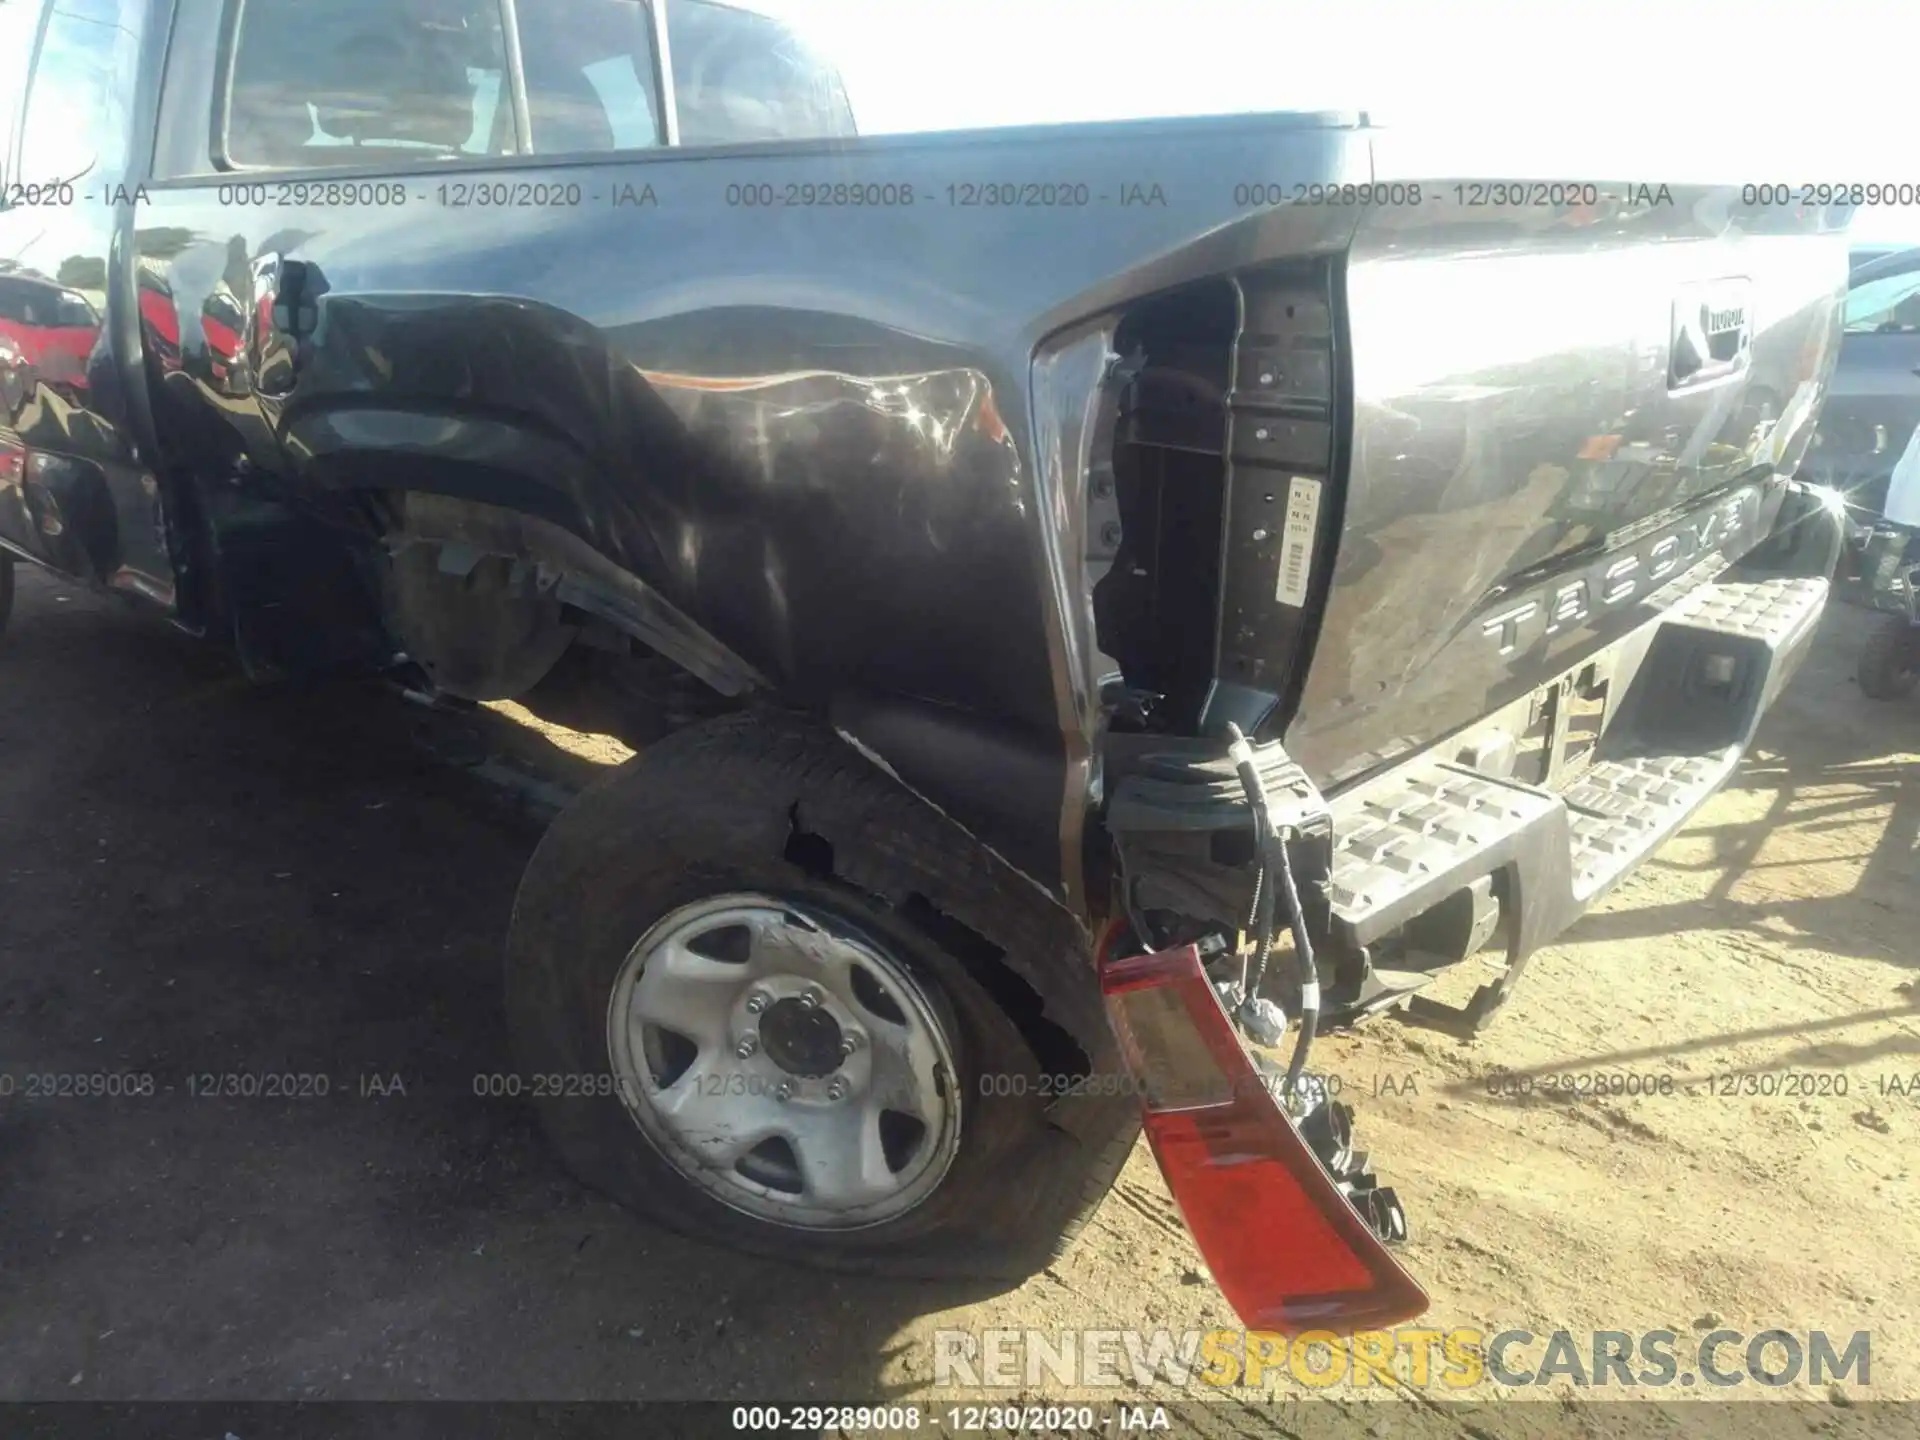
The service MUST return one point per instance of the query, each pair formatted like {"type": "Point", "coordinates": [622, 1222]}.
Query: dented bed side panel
{"type": "Point", "coordinates": [809, 433]}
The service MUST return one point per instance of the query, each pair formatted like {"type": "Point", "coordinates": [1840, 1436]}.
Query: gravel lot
{"type": "Point", "coordinates": [200, 878]}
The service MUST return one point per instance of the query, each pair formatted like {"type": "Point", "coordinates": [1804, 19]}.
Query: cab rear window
{"type": "Point", "coordinates": [318, 83]}
{"type": "Point", "coordinates": [589, 66]}
{"type": "Point", "coordinates": [741, 77]}
{"type": "Point", "coordinates": [339, 82]}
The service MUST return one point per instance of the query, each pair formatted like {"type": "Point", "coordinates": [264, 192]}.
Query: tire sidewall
{"type": "Point", "coordinates": [570, 942]}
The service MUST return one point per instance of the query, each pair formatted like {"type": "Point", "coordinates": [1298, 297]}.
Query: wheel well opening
{"type": "Point", "coordinates": [811, 853]}
{"type": "Point", "coordinates": [1052, 1044]}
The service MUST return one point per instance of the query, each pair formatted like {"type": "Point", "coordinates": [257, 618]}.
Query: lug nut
{"type": "Point", "coordinates": [747, 1047]}
{"type": "Point", "coordinates": [811, 997]}
{"type": "Point", "coordinates": [756, 1002]}
{"type": "Point", "coordinates": [850, 1044]}
{"type": "Point", "coordinates": [836, 1089]}
{"type": "Point", "coordinates": [784, 1092]}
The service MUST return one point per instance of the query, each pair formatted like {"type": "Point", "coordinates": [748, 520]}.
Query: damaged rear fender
{"type": "Point", "coordinates": [1021, 945]}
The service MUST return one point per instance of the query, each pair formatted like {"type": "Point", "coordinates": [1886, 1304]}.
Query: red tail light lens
{"type": "Point", "coordinates": [1287, 1249]}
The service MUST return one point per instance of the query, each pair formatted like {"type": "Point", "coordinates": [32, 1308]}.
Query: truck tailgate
{"type": "Point", "coordinates": [1554, 413]}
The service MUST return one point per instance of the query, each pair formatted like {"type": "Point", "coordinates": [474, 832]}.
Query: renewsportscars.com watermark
{"type": "Point", "coordinates": [1453, 1360]}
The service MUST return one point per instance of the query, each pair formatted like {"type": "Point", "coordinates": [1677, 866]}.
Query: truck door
{"type": "Point", "coordinates": [77, 493]}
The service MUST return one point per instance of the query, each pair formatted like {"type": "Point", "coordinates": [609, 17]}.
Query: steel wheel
{"type": "Point", "coordinates": [756, 856]}
{"type": "Point", "coordinates": [784, 1064]}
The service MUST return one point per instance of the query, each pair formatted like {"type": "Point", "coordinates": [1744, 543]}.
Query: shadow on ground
{"type": "Point", "coordinates": [202, 880]}
{"type": "Point", "coordinates": [1819, 854]}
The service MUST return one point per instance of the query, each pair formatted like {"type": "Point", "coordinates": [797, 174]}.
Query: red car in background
{"type": "Point", "coordinates": [55, 328]}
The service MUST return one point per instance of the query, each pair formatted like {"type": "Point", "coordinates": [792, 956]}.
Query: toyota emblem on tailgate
{"type": "Point", "coordinates": [1712, 334]}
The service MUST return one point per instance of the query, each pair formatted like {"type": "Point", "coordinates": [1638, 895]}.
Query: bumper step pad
{"type": "Point", "coordinates": [1407, 841]}
{"type": "Point", "coordinates": [1623, 809]}
{"type": "Point", "coordinates": [1773, 611]}
{"type": "Point", "coordinates": [1397, 850]}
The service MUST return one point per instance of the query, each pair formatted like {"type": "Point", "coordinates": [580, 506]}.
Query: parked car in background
{"type": "Point", "coordinates": [53, 326]}
{"type": "Point", "coordinates": [1875, 398]}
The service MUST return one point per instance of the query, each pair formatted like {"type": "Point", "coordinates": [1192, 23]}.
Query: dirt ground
{"type": "Point", "coordinates": [199, 878]}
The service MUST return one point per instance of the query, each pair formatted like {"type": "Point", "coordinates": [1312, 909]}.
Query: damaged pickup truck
{"type": "Point", "coordinates": [1099, 601]}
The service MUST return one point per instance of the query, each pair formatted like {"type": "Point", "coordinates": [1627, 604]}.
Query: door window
{"type": "Point", "coordinates": [79, 101]}
{"type": "Point", "coordinates": [344, 82]}
{"type": "Point", "coordinates": [18, 22]}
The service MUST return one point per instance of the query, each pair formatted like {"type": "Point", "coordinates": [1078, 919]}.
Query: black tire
{"type": "Point", "coordinates": [712, 811]}
{"type": "Point", "coordinates": [1890, 660]}
{"type": "Point", "coordinates": [6, 590]}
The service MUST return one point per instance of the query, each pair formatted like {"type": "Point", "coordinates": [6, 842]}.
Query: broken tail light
{"type": "Point", "coordinates": [1286, 1247]}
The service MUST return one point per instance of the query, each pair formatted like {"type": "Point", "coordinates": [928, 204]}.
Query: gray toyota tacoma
{"type": "Point", "coordinates": [1099, 602]}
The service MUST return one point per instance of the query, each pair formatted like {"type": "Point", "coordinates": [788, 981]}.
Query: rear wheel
{"type": "Point", "coordinates": [723, 1033]}
{"type": "Point", "coordinates": [786, 1064]}
{"type": "Point", "coordinates": [1890, 660]}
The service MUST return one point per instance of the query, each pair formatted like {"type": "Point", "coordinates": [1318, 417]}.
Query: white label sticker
{"type": "Point", "coordinates": [1296, 541]}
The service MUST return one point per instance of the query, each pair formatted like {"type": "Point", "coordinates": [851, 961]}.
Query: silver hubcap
{"type": "Point", "coordinates": [784, 1064]}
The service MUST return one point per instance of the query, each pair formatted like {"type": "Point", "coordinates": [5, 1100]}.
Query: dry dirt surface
{"type": "Point", "coordinates": [200, 879]}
